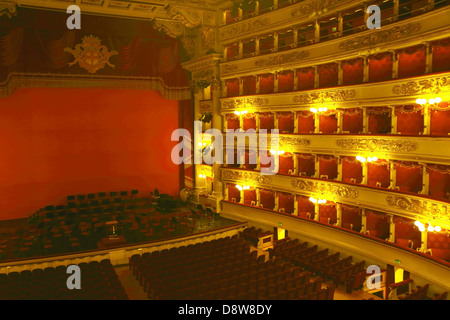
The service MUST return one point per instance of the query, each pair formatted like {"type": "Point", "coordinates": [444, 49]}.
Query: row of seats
{"type": "Point", "coordinates": [98, 282]}
{"type": "Point", "coordinates": [253, 235]}
{"type": "Point", "coordinates": [222, 269]}
{"type": "Point", "coordinates": [321, 262]}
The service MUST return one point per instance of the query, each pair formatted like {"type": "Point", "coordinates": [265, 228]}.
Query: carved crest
{"type": "Point", "coordinates": [91, 54]}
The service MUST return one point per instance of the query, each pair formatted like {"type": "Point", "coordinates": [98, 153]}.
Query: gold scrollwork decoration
{"type": "Point", "coordinates": [282, 59]}
{"type": "Point", "coordinates": [246, 176]}
{"type": "Point", "coordinates": [434, 85]}
{"type": "Point", "coordinates": [320, 187]}
{"type": "Point", "coordinates": [237, 103]}
{"type": "Point", "coordinates": [377, 144]}
{"type": "Point", "coordinates": [325, 96]}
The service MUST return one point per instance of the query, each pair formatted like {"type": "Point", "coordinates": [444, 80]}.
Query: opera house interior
{"type": "Point", "coordinates": [224, 150]}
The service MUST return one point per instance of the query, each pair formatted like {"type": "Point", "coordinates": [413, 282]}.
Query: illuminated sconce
{"type": "Point", "coordinates": [368, 159]}
{"type": "Point", "coordinates": [424, 102]}
{"type": "Point", "coordinates": [277, 152]}
{"type": "Point", "coordinates": [238, 113]}
{"type": "Point", "coordinates": [320, 110]}
{"type": "Point", "coordinates": [430, 228]}
{"type": "Point", "coordinates": [202, 176]}
{"type": "Point", "coordinates": [319, 201]}
{"type": "Point", "coordinates": [244, 187]}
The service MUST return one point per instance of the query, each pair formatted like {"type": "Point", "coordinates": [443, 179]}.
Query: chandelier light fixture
{"type": "Point", "coordinates": [430, 102]}
{"type": "Point", "coordinates": [430, 228]}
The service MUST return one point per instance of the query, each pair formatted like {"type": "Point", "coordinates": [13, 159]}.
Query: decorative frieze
{"type": "Point", "coordinates": [313, 6]}
{"type": "Point", "coordinates": [397, 145]}
{"type": "Point", "coordinates": [8, 8]}
{"type": "Point", "coordinates": [244, 102]}
{"type": "Point", "coordinates": [433, 85]}
{"type": "Point", "coordinates": [244, 27]}
{"type": "Point", "coordinates": [325, 187]}
{"type": "Point", "coordinates": [325, 96]}
{"type": "Point", "coordinates": [424, 208]}
{"type": "Point", "coordinates": [290, 141]}
{"type": "Point", "coordinates": [382, 36]}
{"type": "Point", "coordinates": [246, 176]}
{"type": "Point", "coordinates": [282, 59]}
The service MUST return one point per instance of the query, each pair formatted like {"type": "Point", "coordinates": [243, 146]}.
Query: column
{"type": "Point", "coordinates": [425, 180]}
{"type": "Point", "coordinates": [258, 197]}
{"type": "Point", "coordinates": [316, 123]}
{"type": "Point", "coordinates": [339, 170]}
{"type": "Point", "coordinates": [429, 58]}
{"type": "Point", "coordinates": [316, 77]}
{"type": "Point", "coordinates": [365, 121]}
{"type": "Point", "coordinates": [217, 123]}
{"type": "Point", "coordinates": [257, 45]}
{"type": "Point", "coordinates": [340, 73]}
{"type": "Point", "coordinates": [394, 64]}
{"type": "Point", "coordinates": [316, 167]}
{"type": "Point", "coordinates": [242, 196]}
{"type": "Point", "coordinates": [296, 37]}
{"type": "Point", "coordinates": [226, 195]}
{"type": "Point", "coordinates": [295, 213]}
{"type": "Point", "coordinates": [258, 122]}
{"type": "Point", "coordinates": [295, 122]}
{"type": "Point", "coordinates": [424, 241]}
{"type": "Point", "coordinates": [339, 121]}
{"type": "Point", "coordinates": [396, 10]}
{"type": "Point", "coordinates": [275, 120]}
{"type": "Point", "coordinates": [339, 215]}
{"type": "Point", "coordinates": [341, 24]}
{"type": "Point", "coordinates": [363, 221]}
{"type": "Point", "coordinates": [224, 89]}
{"type": "Point", "coordinates": [225, 53]}
{"type": "Point", "coordinates": [365, 173]}
{"type": "Point", "coordinates": [366, 70]}
{"type": "Point", "coordinates": [276, 201]}
{"type": "Point", "coordinates": [393, 176]}
{"type": "Point", "coordinates": [275, 41]}
{"type": "Point", "coordinates": [275, 82]}
{"type": "Point", "coordinates": [295, 80]}
{"type": "Point", "coordinates": [275, 4]}
{"type": "Point", "coordinates": [393, 120]}
{"type": "Point", "coordinates": [241, 49]}
{"type": "Point", "coordinates": [316, 31]}
{"type": "Point", "coordinates": [295, 164]}
{"type": "Point", "coordinates": [241, 87]}
{"type": "Point", "coordinates": [426, 120]}
{"type": "Point", "coordinates": [257, 8]}
{"type": "Point", "coordinates": [316, 211]}
{"type": "Point", "coordinates": [391, 228]}
{"type": "Point", "coordinates": [258, 89]}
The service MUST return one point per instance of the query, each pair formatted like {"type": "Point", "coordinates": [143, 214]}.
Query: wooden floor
{"type": "Point", "coordinates": [135, 291]}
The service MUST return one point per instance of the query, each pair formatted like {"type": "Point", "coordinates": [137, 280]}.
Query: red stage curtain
{"type": "Point", "coordinates": [249, 197]}
{"type": "Point", "coordinates": [378, 172]}
{"type": "Point", "coordinates": [266, 83]}
{"type": "Point", "coordinates": [379, 120]}
{"type": "Point", "coordinates": [328, 75]}
{"type": "Point", "coordinates": [351, 217]}
{"type": "Point", "coordinates": [306, 78]}
{"type": "Point", "coordinates": [328, 166]}
{"type": "Point", "coordinates": [380, 67]}
{"type": "Point", "coordinates": [53, 47]}
{"type": "Point", "coordinates": [409, 119]}
{"type": "Point", "coordinates": [305, 206]}
{"type": "Point", "coordinates": [405, 230]}
{"type": "Point", "coordinates": [352, 120]}
{"type": "Point", "coordinates": [411, 61]}
{"type": "Point", "coordinates": [249, 85]}
{"type": "Point", "coordinates": [266, 121]}
{"type": "Point", "coordinates": [234, 193]}
{"type": "Point", "coordinates": [232, 87]}
{"type": "Point", "coordinates": [353, 71]}
{"type": "Point", "coordinates": [305, 122]}
{"type": "Point", "coordinates": [440, 119]}
{"type": "Point", "coordinates": [409, 176]}
{"type": "Point", "coordinates": [233, 122]}
{"type": "Point", "coordinates": [306, 164]}
{"type": "Point", "coordinates": [286, 163]}
{"type": "Point", "coordinates": [441, 55]}
{"type": "Point", "coordinates": [328, 122]}
{"type": "Point", "coordinates": [286, 81]}
{"type": "Point", "coordinates": [267, 199]}
{"type": "Point", "coordinates": [439, 180]}
{"type": "Point", "coordinates": [249, 121]}
{"type": "Point", "coordinates": [377, 224]}
{"type": "Point", "coordinates": [286, 202]}
{"type": "Point", "coordinates": [351, 170]}
{"type": "Point", "coordinates": [328, 211]}
{"type": "Point", "coordinates": [285, 122]}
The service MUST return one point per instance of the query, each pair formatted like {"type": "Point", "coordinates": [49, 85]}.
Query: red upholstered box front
{"type": "Point", "coordinates": [286, 202]}
{"type": "Point", "coordinates": [267, 199]}
{"type": "Point", "coordinates": [234, 194]}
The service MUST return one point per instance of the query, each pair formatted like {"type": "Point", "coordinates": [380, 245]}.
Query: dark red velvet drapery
{"type": "Point", "coordinates": [377, 223]}
{"type": "Point", "coordinates": [286, 163]}
{"type": "Point", "coordinates": [353, 71]}
{"type": "Point", "coordinates": [286, 81]}
{"type": "Point", "coordinates": [266, 83]}
{"type": "Point", "coordinates": [352, 120]}
{"type": "Point", "coordinates": [233, 193]}
{"type": "Point", "coordinates": [441, 55]}
{"type": "Point", "coordinates": [380, 67]}
{"type": "Point", "coordinates": [409, 176]}
{"type": "Point", "coordinates": [440, 118]}
{"type": "Point", "coordinates": [351, 170]}
{"type": "Point", "coordinates": [305, 207]}
{"type": "Point", "coordinates": [351, 217]}
{"type": "Point", "coordinates": [409, 119]}
{"type": "Point", "coordinates": [250, 197]}
{"type": "Point", "coordinates": [406, 231]}
{"type": "Point", "coordinates": [232, 87]}
{"type": "Point", "coordinates": [328, 75]}
{"type": "Point", "coordinates": [328, 122]}
{"type": "Point", "coordinates": [267, 199]}
{"type": "Point", "coordinates": [249, 85]}
{"type": "Point", "coordinates": [285, 122]}
{"type": "Point", "coordinates": [439, 176]}
{"type": "Point", "coordinates": [306, 164]}
{"type": "Point", "coordinates": [233, 122]}
{"type": "Point", "coordinates": [378, 174]}
{"type": "Point", "coordinates": [306, 78]}
{"type": "Point", "coordinates": [379, 120]}
{"type": "Point", "coordinates": [249, 121]}
{"type": "Point", "coordinates": [305, 122]}
{"type": "Point", "coordinates": [411, 61]}
{"type": "Point", "coordinates": [327, 213]}
{"type": "Point", "coordinates": [266, 121]}
{"type": "Point", "coordinates": [286, 202]}
{"type": "Point", "coordinates": [328, 166]}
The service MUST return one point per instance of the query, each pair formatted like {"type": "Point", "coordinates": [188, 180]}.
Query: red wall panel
{"type": "Point", "coordinates": [57, 142]}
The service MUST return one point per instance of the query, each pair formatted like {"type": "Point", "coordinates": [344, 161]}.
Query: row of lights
{"type": "Point", "coordinates": [244, 187]}
{"type": "Point", "coordinates": [273, 152]}
{"type": "Point", "coordinates": [430, 228]}
{"type": "Point", "coordinates": [423, 102]}
{"type": "Point", "coordinates": [315, 110]}
{"type": "Point", "coordinates": [238, 113]}
{"type": "Point", "coordinates": [368, 159]}
{"type": "Point", "coordinates": [319, 201]}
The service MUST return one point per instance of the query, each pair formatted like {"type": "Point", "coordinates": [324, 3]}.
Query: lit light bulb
{"type": "Point", "coordinates": [325, 109]}
{"type": "Point", "coordinates": [438, 229]}
{"type": "Point", "coordinates": [438, 100]}
{"type": "Point", "coordinates": [239, 187]}
{"type": "Point", "coordinates": [421, 228]}
{"type": "Point", "coordinates": [244, 112]}
{"type": "Point", "coordinates": [273, 152]}
{"type": "Point", "coordinates": [431, 101]}
{"type": "Point", "coordinates": [313, 200]}
{"type": "Point", "coordinates": [375, 158]}
{"type": "Point", "coordinates": [417, 224]}
{"type": "Point", "coordinates": [430, 228]}
{"type": "Point", "coordinates": [237, 113]}
{"type": "Point", "coordinates": [313, 110]}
